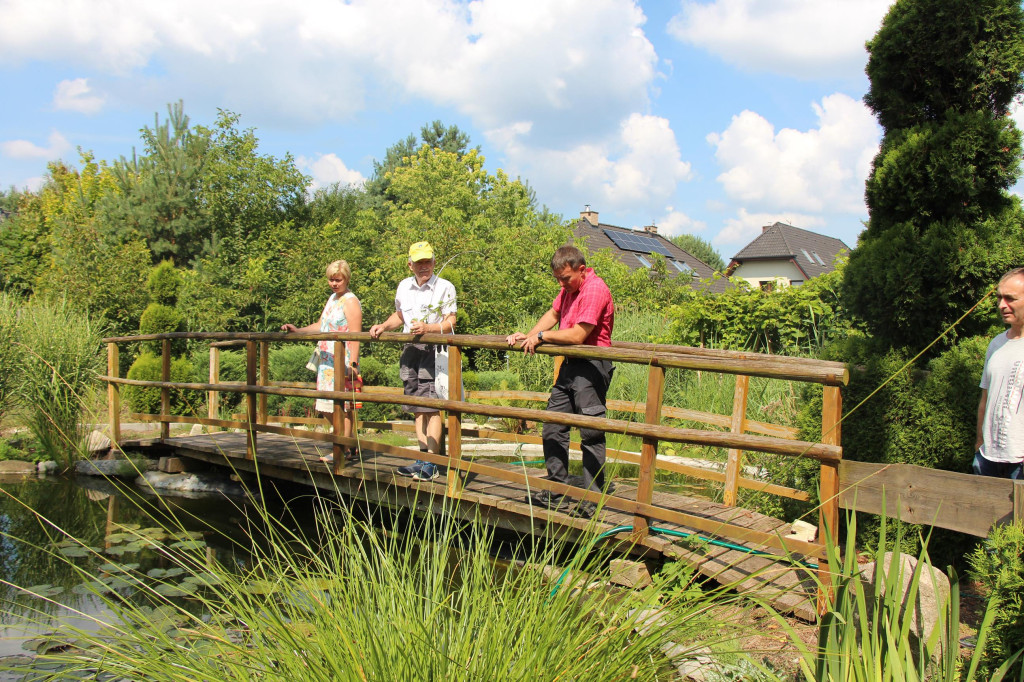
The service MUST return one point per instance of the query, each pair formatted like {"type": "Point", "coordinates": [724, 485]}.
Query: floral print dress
{"type": "Point", "coordinates": [333, 320]}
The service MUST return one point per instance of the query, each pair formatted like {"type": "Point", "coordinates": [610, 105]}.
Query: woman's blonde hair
{"type": "Point", "coordinates": [340, 268]}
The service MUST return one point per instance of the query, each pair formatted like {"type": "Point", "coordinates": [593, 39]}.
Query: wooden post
{"type": "Point", "coordinates": [113, 396]}
{"type": "Point", "coordinates": [165, 393]}
{"type": "Point", "coordinates": [828, 511]}
{"type": "Point", "coordinates": [338, 420]}
{"type": "Point", "coordinates": [649, 448]}
{"type": "Point", "coordinates": [264, 380]}
{"type": "Point", "coordinates": [251, 353]}
{"type": "Point", "coordinates": [1018, 501]}
{"type": "Point", "coordinates": [735, 461]}
{"type": "Point", "coordinates": [213, 397]}
{"type": "Point", "coordinates": [454, 441]}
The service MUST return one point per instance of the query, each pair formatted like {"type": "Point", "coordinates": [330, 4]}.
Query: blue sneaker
{"type": "Point", "coordinates": [428, 472]}
{"type": "Point", "coordinates": [410, 470]}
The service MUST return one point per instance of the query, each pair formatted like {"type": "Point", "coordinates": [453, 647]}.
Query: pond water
{"type": "Point", "coordinates": [51, 529]}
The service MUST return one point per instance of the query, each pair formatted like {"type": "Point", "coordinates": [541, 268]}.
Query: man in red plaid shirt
{"type": "Point", "coordinates": [585, 314]}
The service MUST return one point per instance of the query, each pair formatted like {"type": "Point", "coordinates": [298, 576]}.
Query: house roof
{"type": "Point", "coordinates": [814, 254]}
{"type": "Point", "coordinates": [628, 246]}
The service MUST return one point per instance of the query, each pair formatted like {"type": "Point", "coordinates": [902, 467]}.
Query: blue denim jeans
{"type": "Point", "coordinates": [986, 467]}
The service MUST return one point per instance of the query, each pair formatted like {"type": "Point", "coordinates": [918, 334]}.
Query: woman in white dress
{"type": "Point", "coordinates": [342, 313]}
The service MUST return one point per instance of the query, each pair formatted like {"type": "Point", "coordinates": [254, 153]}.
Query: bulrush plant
{"type": "Point", "coordinates": [59, 360]}
{"type": "Point", "coordinates": [386, 599]}
{"type": "Point", "coordinates": [865, 635]}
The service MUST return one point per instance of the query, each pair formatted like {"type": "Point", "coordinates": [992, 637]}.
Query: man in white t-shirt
{"type": "Point", "coordinates": [424, 304]}
{"type": "Point", "coordinates": [1000, 442]}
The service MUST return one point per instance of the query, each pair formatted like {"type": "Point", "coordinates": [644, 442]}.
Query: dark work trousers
{"type": "Point", "coordinates": [581, 388]}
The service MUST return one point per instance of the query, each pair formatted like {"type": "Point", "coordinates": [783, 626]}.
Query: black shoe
{"type": "Point", "coordinates": [583, 510]}
{"type": "Point", "coordinates": [547, 500]}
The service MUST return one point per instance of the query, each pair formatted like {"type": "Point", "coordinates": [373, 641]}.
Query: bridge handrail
{"type": "Point", "coordinates": [657, 357]}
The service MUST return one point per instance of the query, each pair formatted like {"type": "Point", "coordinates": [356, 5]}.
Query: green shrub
{"type": "Point", "coordinates": [164, 283]}
{"type": "Point", "coordinates": [158, 318]}
{"type": "Point", "coordinates": [60, 351]}
{"type": "Point", "coordinates": [288, 363]}
{"type": "Point", "coordinates": [998, 565]}
{"type": "Point", "coordinates": [148, 367]}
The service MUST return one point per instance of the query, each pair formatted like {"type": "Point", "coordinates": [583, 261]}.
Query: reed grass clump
{"type": "Point", "coordinates": [355, 600]}
{"type": "Point", "coordinates": [10, 370]}
{"type": "Point", "coordinates": [59, 360]}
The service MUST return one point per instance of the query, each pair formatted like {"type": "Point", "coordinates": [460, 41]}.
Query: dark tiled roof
{"type": "Point", "coordinates": [596, 239]}
{"type": "Point", "coordinates": [785, 242]}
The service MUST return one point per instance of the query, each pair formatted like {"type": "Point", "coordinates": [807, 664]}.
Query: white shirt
{"type": "Point", "coordinates": [431, 302]}
{"type": "Point", "coordinates": [1003, 377]}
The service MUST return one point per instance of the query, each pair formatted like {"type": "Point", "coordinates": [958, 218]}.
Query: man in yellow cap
{"type": "Point", "coordinates": [424, 304]}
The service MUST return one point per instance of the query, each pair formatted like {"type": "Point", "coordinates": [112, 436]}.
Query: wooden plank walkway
{"type": "Point", "coordinates": [785, 584]}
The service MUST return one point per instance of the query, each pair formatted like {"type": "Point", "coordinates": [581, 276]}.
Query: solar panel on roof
{"type": "Point", "coordinates": [628, 241]}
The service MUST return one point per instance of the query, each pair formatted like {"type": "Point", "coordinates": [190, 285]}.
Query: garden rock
{"type": "Point", "coordinates": [14, 467]}
{"type": "Point", "coordinates": [47, 468]}
{"type": "Point", "coordinates": [189, 482]}
{"type": "Point", "coordinates": [932, 594]}
{"type": "Point", "coordinates": [97, 442]}
{"type": "Point", "coordinates": [111, 467]}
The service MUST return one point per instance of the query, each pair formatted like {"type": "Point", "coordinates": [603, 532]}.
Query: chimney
{"type": "Point", "coordinates": [767, 227]}
{"type": "Point", "coordinates": [589, 216]}
{"type": "Point", "coordinates": [651, 229]}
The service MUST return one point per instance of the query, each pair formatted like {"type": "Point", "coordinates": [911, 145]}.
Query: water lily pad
{"type": "Point", "coordinates": [206, 579]}
{"type": "Point", "coordinates": [44, 590]}
{"type": "Point", "coordinates": [76, 550]}
{"type": "Point", "coordinates": [188, 545]}
{"type": "Point", "coordinates": [118, 568]}
{"type": "Point", "coordinates": [92, 587]}
{"type": "Point", "coordinates": [50, 643]}
{"type": "Point", "coordinates": [172, 572]}
{"type": "Point", "coordinates": [128, 526]}
{"type": "Point", "coordinates": [117, 538]}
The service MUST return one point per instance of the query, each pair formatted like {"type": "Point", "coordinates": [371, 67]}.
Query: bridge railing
{"type": "Point", "coordinates": [743, 434]}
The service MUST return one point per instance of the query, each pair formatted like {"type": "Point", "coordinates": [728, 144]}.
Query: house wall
{"type": "Point", "coordinates": [755, 272]}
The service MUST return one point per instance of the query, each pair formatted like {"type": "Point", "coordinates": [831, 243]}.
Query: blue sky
{"type": "Point", "coordinates": [712, 117]}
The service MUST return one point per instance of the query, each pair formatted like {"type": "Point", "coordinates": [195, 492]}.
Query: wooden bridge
{"type": "Point", "coordinates": [746, 549]}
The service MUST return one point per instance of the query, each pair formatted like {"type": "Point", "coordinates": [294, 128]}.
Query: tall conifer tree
{"type": "Point", "coordinates": [942, 226]}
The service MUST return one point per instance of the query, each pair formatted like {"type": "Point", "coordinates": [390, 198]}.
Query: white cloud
{"type": "Point", "coordinates": [818, 170]}
{"type": "Point", "coordinates": [76, 95]}
{"type": "Point", "coordinates": [676, 222]}
{"type": "Point", "coordinates": [745, 227]}
{"type": "Point", "coordinates": [23, 149]}
{"type": "Point", "coordinates": [638, 167]}
{"type": "Point", "coordinates": [328, 169]}
{"type": "Point", "coordinates": [801, 38]}
{"type": "Point", "coordinates": [493, 60]}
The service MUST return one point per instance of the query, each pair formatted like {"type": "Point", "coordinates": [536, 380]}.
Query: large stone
{"type": "Point", "coordinates": [111, 467]}
{"type": "Point", "coordinates": [47, 468]}
{"type": "Point", "coordinates": [15, 467]}
{"type": "Point", "coordinates": [932, 594]}
{"type": "Point", "coordinates": [190, 483]}
{"type": "Point", "coordinates": [97, 442]}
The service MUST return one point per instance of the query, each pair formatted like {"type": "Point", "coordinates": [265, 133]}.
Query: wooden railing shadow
{"type": "Point", "coordinates": [743, 434]}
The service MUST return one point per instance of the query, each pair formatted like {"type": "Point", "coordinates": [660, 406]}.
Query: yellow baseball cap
{"type": "Point", "coordinates": [419, 251]}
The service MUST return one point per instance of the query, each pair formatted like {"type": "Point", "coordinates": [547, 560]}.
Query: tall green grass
{"type": "Point", "coordinates": [59, 360]}
{"type": "Point", "coordinates": [389, 600]}
{"type": "Point", "coordinates": [10, 373]}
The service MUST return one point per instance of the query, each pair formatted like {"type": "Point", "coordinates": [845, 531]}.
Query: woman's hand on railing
{"type": "Point", "coordinates": [289, 328]}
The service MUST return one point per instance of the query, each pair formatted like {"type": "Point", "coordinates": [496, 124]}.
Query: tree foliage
{"type": "Point", "coordinates": [942, 225]}
{"type": "Point", "coordinates": [701, 248]}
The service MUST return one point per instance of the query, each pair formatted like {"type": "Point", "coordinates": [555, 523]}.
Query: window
{"type": "Point", "coordinates": [643, 261]}
{"type": "Point", "coordinates": [681, 267]}
{"type": "Point", "coordinates": [767, 284]}
{"type": "Point", "coordinates": [795, 282]}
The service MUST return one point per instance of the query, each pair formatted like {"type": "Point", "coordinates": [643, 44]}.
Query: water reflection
{"type": "Point", "coordinates": [58, 533]}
